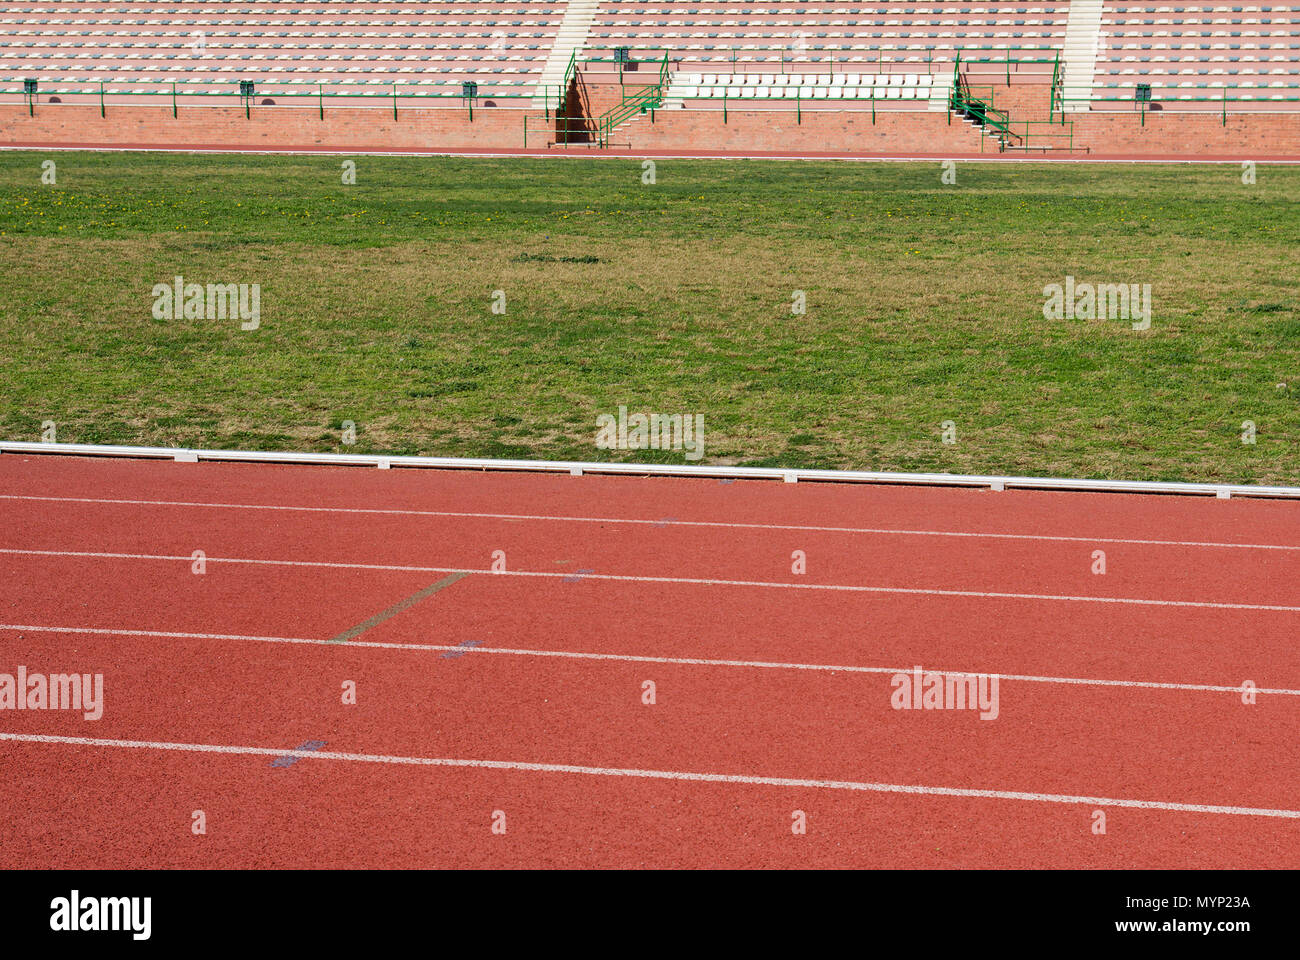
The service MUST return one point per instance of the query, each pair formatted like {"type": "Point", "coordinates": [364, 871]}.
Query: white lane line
{"type": "Point", "coordinates": [653, 774]}
{"type": "Point", "coordinates": [691, 581]}
{"type": "Point", "coordinates": [801, 528]}
{"type": "Point", "coordinates": [633, 658]}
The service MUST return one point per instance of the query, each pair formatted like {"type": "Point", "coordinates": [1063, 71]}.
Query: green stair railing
{"type": "Point", "coordinates": [1057, 99]}
{"type": "Point", "coordinates": [1039, 135]}
{"type": "Point", "coordinates": [562, 100]}
{"type": "Point", "coordinates": [982, 112]}
{"type": "Point", "coordinates": [636, 100]}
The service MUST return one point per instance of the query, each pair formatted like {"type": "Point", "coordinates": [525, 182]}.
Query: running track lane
{"type": "Point", "coordinates": [780, 691]}
{"type": "Point", "coordinates": [414, 704]}
{"type": "Point", "coordinates": [622, 619]}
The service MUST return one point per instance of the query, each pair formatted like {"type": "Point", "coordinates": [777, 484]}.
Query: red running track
{"type": "Point", "coordinates": [520, 694]}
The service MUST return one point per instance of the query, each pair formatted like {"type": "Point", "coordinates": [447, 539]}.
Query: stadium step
{"type": "Point", "coordinates": [1082, 43]}
{"type": "Point", "coordinates": [571, 38]}
{"type": "Point", "coordinates": [940, 92]}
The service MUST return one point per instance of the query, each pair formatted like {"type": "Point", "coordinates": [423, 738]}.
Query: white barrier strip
{"type": "Point", "coordinates": [789, 475]}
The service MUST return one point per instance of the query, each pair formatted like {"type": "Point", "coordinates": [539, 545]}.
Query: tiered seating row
{"type": "Point", "coordinates": [504, 43]}
{"type": "Point", "coordinates": [760, 31]}
{"type": "Point", "coordinates": [769, 86]}
{"type": "Point", "coordinates": [1196, 49]}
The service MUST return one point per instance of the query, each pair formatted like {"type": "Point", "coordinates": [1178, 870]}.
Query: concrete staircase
{"type": "Point", "coordinates": [1082, 44]}
{"type": "Point", "coordinates": [940, 91]}
{"type": "Point", "coordinates": [574, 30]}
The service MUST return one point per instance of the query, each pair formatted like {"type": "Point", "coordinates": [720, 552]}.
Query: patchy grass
{"type": "Point", "coordinates": [924, 304]}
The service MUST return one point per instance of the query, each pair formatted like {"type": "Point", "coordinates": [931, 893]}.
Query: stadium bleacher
{"type": "Point", "coordinates": [763, 34]}
{"type": "Point", "coordinates": [1197, 49]}
{"type": "Point", "coordinates": [291, 45]}
{"type": "Point", "coordinates": [1075, 57]}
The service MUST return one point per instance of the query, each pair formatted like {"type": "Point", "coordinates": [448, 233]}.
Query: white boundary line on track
{"type": "Point", "coordinates": [516, 765]}
{"type": "Point", "coordinates": [800, 528]}
{"type": "Point", "coordinates": [657, 469]}
{"type": "Point", "coordinates": [634, 578]}
{"type": "Point", "coordinates": [634, 658]}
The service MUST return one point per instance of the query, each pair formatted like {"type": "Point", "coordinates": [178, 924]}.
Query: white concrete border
{"type": "Point", "coordinates": [577, 468]}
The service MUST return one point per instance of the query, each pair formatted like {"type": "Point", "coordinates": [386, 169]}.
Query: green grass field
{"type": "Point", "coordinates": [924, 304]}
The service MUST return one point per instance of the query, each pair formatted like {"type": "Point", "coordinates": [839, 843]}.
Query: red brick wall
{"type": "Point", "coordinates": [344, 128]}
{"type": "Point", "coordinates": [1024, 101]}
{"type": "Point", "coordinates": [820, 131]}
{"type": "Point", "coordinates": [269, 127]}
{"type": "Point", "coordinates": [1245, 136]}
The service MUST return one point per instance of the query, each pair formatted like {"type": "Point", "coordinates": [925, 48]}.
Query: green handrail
{"type": "Point", "coordinates": [1051, 100]}
{"type": "Point", "coordinates": [635, 101]}
{"type": "Point", "coordinates": [564, 84]}
{"type": "Point", "coordinates": [985, 114]}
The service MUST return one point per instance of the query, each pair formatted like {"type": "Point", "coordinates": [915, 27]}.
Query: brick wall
{"type": "Point", "coordinates": [782, 131]}
{"type": "Point", "coordinates": [269, 127]}
{"type": "Point", "coordinates": [757, 130]}
{"type": "Point", "coordinates": [1183, 134]}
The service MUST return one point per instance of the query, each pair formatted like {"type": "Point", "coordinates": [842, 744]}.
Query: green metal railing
{"type": "Point", "coordinates": [1056, 96]}
{"type": "Point", "coordinates": [962, 100]}
{"type": "Point", "coordinates": [1034, 135]}
{"type": "Point", "coordinates": [986, 115]}
{"type": "Point", "coordinates": [561, 102]}
{"type": "Point", "coordinates": [847, 57]}
{"type": "Point", "coordinates": [195, 92]}
{"type": "Point", "coordinates": [636, 100]}
{"type": "Point", "coordinates": [995, 124]}
{"type": "Point", "coordinates": [563, 129]}
{"type": "Point", "coordinates": [1171, 101]}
